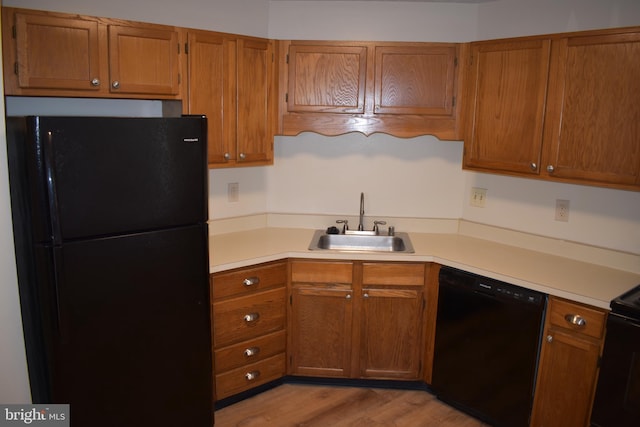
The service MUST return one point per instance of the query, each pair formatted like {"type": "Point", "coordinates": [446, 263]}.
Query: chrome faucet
{"type": "Point", "coordinates": [361, 223]}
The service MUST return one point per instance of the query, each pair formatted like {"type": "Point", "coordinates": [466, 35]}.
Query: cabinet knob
{"type": "Point", "coordinates": [227, 156]}
{"type": "Point", "coordinates": [549, 338]}
{"type": "Point", "coordinates": [253, 375]}
{"type": "Point", "coordinates": [115, 84]}
{"type": "Point", "coordinates": [533, 166]}
{"type": "Point", "coordinates": [366, 295]}
{"type": "Point", "coordinates": [550, 169]}
{"type": "Point", "coordinates": [95, 82]}
{"type": "Point", "coordinates": [251, 351]}
{"type": "Point", "coordinates": [243, 156]}
{"type": "Point", "coordinates": [251, 317]}
{"type": "Point", "coordinates": [576, 320]}
{"type": "Point", "coordinates": [250, 281]}
{"type": "Point", "coordinates": [348, 296]}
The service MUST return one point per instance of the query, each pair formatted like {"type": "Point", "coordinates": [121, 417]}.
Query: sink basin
{"type": "Point", "coordinates": [353, 242]}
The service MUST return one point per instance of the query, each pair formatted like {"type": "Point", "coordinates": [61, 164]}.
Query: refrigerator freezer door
{"type": "Point", "coordinates": [134, 345]}
{"type": "Point", "coordinates": [104, 176]}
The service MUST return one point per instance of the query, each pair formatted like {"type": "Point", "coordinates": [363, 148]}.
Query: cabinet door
{"type": "Point", "coordinates": [255, 88]}
{"type": "Point", "coordinates": [414, 80]}
{"type": "Point", "coordinates": [143, 60]}
{"type": "Point", "coordinates": [391, 333]}
{"type": "Point", "coordinates": [328, 79]}
{"type": "Point", "coordinates": [321, 330]}
{"type": "Point", "coordinates": [593, 130]}
{"type": "Point", "coordinates": [566, 381]}
{"type": "Point", "coordinates": [57, 53]}
{"type": "Point", "coordinates": [506, 102]}
{"type": "Point", "coordinates": [211, 68]}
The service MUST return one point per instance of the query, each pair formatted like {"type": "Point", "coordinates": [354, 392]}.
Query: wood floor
{"type": "Point", "coordinates": [296, 405]}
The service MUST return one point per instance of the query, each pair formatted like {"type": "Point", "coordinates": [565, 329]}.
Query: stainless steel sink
{"type": "Point", "coordinates": [361, 242]}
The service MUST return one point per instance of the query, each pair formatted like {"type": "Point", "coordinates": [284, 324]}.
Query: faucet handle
{"type": "Point", "coordinates": [376, 223]}
{"type": "Point", "coordinates": [344, 223]}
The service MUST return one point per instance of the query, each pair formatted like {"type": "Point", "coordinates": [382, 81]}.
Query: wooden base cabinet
{"type": "Point", "coordinates": [356, 320]}
{"type": "Point", "coordinates": [391, 324]}
{"type": "Point", "coordinates": [249, 319]}
{"type": "Point", "coordinates": [320, 327]}
{"type": "Point", "coordinates": [568, 367]}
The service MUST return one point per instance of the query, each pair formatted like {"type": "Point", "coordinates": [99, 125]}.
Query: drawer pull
{"type": "Point", "coordinates": [251, 317]}
{"type": "Point", "coordinates": [251, 351]}
{"type": "Point", "coordinates": [253, 375]}
{"type": "Point", "coordinates": [250, 281]}
{"type": "Point", "coordinates": [575, 319]}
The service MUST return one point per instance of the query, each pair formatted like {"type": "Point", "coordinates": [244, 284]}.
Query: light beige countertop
{"type": "Point", "coordinates": [576, 280]}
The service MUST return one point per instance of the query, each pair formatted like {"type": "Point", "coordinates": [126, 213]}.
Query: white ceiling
{"type": "Point", "coordinates": [423, 1]}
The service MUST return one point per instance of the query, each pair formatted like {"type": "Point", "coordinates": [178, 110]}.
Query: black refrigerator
{"type": "Point", "coordinates": [110, 225]}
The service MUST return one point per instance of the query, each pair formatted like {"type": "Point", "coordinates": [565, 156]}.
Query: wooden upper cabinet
{"type": "Point", "coordinates": [143, 60]}
{"type": "Point", "coordinates": [327, 78]}
{"type": "Point", "coordinates": [58, 54]}
{"type": "Point", "coordinates": [507, 86]}
{"type": "Point", "coordinates": [403, 89]}
{"type": "Point", "coordinates": [54, 52]}
{"type": "Point", "coordinates": [256, 112]}
{"type": "Point", "coordinates": [561, 107]}
{"type": "Point", "coordinates": [414, 80]}
{"type": "Point", "coordinates": [593, 132]}
{"type": "Point", "coordinates": [211, 77]}
{"type": "Point", "coordinates": [232, 81]}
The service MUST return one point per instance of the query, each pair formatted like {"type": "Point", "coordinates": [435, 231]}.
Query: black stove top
{"type": "Point", "coordinates": [628, 304]}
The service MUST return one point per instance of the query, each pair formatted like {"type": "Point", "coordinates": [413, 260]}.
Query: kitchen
{"type": "Point", "coordinates": [600, 218]}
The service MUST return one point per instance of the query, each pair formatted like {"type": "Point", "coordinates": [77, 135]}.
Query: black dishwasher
{"type": "Point", "coordinates": [486, 346]}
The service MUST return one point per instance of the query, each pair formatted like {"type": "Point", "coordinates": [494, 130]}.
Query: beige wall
{"type": "Point", "coordinates": [14, 381]}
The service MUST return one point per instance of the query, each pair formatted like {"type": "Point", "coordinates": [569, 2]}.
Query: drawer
{"type": "Point", "coordinates": [249, 376]}
{"type": "Point", "coordinates": [240, 319]}
{"type": "Point", "coordinates": [321, 272]}
{"type": "Point", "coordinates": [251, 351]}
{"type": "Point", "coordinates": [393, 274]}
{"type": "Point", "coordinates": [577, 317]}
{"type": "Point", "coordinates": [248, 280]}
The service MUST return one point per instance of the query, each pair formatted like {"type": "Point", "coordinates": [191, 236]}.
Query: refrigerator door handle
{"type": "Point", "coordinates": [56, 254]}
{"type": "Point", "coordinates": [56, 235]}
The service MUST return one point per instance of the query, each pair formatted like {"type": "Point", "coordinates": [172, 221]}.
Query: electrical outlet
{"type": "Point", "coordinates": [562, 210]}
{"type": "Point", "coordinates": [478, 197]}
{"type": "Point", "coordinates": [233, 192]}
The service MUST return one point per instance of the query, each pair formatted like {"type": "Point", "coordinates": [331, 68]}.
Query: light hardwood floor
{"type": "Point", "coordinates": [296, 405]}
